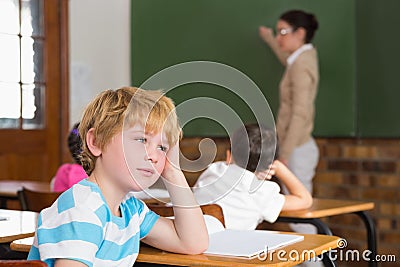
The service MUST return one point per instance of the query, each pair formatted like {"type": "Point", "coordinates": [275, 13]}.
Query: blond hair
{"type": "Point", "coordinates": [112, 110]}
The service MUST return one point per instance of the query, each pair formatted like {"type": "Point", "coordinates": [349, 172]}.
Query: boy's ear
{"type": "Point", "coordinates": [91, 143]}
{"type": "Point", "coordinates": [228, 159]}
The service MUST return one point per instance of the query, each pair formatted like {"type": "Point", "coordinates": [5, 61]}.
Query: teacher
{"type": "Point", "coordinates": [298, 88]}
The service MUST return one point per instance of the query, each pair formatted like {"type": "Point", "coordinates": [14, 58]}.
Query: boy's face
{"type": "Point", "coordinates": [136, 158]}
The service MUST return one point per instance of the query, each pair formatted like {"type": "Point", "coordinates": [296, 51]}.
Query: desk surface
{"type": "Point", "coordinates": [23, 245]}
{"type": "Point", "coordinates": [329, 207]}
{"type": "Point", "coordinates": [17, 224]}
{"type": "Point", "coordinates": [317, 243]}
{"type": "Point", "coordinates": [9, 188]}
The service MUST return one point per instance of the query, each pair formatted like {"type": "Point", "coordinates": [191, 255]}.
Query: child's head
{"type": "Point", "coordinates": [112, 110]}
{"type": "Point", "coordinates": [75, 143]}
{"type": "Point", "coordinates": [254, 147]}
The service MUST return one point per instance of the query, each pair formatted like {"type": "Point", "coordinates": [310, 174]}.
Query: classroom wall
{"type": "Point", "coordinates": [368, 170]}
{"type": "Point", "coordinates": [99, 49]}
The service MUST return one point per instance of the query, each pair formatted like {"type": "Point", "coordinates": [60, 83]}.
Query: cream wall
{"type": "Point", "coordinates": [99, 49]}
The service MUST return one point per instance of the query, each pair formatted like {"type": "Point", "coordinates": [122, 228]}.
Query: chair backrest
{"type": "Point", "coordinates": [35, 200]}
{"type": "Point", "coordinates": [211, 209]}
{"type": "Point", "coordinates": [22, 263]}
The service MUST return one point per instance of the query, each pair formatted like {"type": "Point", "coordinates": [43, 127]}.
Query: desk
{"type": "Point", "coordinates": [22, 245]}
{"type": "Point", "coordinates": [150, 201]}
{"type": "Point", "coordinates": [19, 224]}
{"type": "Point", "coordinates": [330, 207]}
{"type": "Point", "coordinates": [9, 189]}
{"type": "Point", "coordinates": [147, 254]}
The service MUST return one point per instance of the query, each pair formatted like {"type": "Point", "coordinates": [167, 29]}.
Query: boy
{"type": "Point", "coordinates": [229, 183]}
{"type": "Point", "coordinates": [130, 138]}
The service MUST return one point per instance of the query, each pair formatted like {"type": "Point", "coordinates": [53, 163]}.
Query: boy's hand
{"type": "Point", "coordinates": [174, 180]}
{"type": "Point", "coordinates": [277, 168]}
{"type": "Point", "coordinates": [267, 174]}
{"type": "Point", "coordinates": [172, 166]}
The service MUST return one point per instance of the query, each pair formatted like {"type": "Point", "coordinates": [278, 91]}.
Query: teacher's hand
{"type": "Point", "coordinates": [265, 33]}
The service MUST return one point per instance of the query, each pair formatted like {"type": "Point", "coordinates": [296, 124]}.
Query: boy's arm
{"type": "Point", "coordinates": [187, 233]}
{"type": "Point", "coordinates": [299, 197]}
{"type": "Point", "coordinates": [68, 263]}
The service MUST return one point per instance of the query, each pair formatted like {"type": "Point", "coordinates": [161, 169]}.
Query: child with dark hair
{"type": "Point", "coordinates": [69, 174]}
{"type": "Point", "coordinates": [229, 183]}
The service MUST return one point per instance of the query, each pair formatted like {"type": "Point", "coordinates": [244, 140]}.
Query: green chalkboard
{"type": "Point", "coordinates": [378, 57]}
{"type": "Point", "coordinates": [165, 33]}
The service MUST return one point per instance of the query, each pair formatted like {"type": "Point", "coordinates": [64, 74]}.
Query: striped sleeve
{"type": "Point", "coordinates": [70, 224]}
{"type": "Point", "coordinates": [66, 233]}
{"type": "Point", "coordinates": [147, 218]}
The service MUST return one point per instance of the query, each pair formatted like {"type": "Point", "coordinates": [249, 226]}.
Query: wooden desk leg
{"type": "Point", "coordinates": [371, 236]}
{"type": "Point", "coordinates": [322, 228]}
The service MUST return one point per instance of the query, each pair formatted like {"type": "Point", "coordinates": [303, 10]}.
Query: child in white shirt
{"type": "Point", "coordinates": [233, 184]}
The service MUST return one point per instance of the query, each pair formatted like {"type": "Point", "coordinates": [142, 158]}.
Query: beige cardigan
{"type": "Point", "coordinates": [298, 89]}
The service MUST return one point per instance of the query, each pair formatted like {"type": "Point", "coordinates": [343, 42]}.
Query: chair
{"type": "Point", "coordinates": [35, 200]}
{"type": "Point", "coordinates": [211, 209]}
{"type": "Point", "coordinates": [22, 263]}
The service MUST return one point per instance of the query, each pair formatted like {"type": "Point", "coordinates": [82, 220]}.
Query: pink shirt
{"type": "Point", "coordinates": [67, 175]}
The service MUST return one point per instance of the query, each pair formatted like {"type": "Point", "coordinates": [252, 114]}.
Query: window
{"type": "Point", "coordinates": [22, 79]}
{"type": "Point", "coordinates": [33, 88]}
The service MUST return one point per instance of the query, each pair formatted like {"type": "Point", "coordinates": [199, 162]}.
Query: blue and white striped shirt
{"type": "Point", "coordinates": [80, 226]}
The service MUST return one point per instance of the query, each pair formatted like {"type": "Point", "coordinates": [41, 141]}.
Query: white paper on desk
{"type": "Point", "coordinates": [242, 243]}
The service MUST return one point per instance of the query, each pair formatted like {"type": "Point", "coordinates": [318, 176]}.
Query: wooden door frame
{"type": "Point", "coordinates": [53, 138]}
{"type": "Point", "coordinates": [60, 41]}
{"type": "Point", "coordinates": [64, 87]}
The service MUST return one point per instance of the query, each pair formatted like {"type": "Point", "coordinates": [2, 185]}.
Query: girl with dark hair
{"type": "Point", "coordinates": [69, 174]}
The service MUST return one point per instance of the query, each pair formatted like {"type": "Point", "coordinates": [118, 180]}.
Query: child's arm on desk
{"type": "Point", "coordinates": [299, 197]}
{"type": "Point", "coordinates": [187, 233]}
